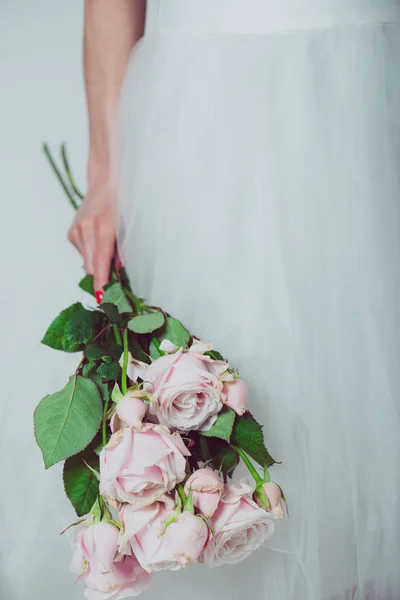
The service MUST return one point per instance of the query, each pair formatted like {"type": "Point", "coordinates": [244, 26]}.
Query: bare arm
{"type": "Point", "coordinates": [112, 27]}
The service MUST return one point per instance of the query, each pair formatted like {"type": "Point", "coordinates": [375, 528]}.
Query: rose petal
{"type": "Point", "coordinates": [141, 466]}
{"type": "Point", "coordinates": [136, 369]}
{"type": "Point", "coordinates": [168, 347]}
{"type": "Point", "coordinates": [99, 544]}
{"type": "Point", "coordinates": [200, 347]}
{"type": "Point", "coordinates": [235, 394]}
{"type": "Point", "coordinates": [131, 410]}
{"type": "Point", "coordinates": [240, 527]}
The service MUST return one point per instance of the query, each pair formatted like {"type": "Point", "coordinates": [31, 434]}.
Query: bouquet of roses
{"type": "Point", "coordinates": [151, 426]}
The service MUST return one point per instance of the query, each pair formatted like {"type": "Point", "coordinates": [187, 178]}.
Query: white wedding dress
{"type": "Point", "coordinates": [259, 202]}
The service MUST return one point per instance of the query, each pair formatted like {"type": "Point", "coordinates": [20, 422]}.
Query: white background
{"type": "Point", "coordinates": [41, 99]}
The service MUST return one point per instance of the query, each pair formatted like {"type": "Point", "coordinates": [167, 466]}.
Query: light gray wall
{"type": "Point", "coordinates": [41, 98]}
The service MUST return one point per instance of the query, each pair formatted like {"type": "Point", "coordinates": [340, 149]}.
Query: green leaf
{"type": "Point", "coordinates": [95, 351]}
{"type": "Point", "coordinates": [86, 284]}
{"type": "Point", "coordinates": [154, 350]}
{"type": "Point", "coordinates": [224, 457]}
{"type": "Point", "coordinates": [114, 349]}
{"type": "Point", "coordinates": [83, 325]}
{"type": "Point", "coordinates": [223, 426]}
{"type": "Point", "coordinates": [55, 335]}
{"type": "Point", "coordinates": [218, 453]}
{"type": "Point", "coordinates": [175, 332]}
{"type": "Point", "coordinates": [95, 472]}
{"type": "Point", "coordinates": [114, 293]}
{"type": "Point", "coordinates": [136, 349]}
{"type": "Point", "coordinates": [98, 447]}
{"type": "Point", "coordinates": [214, 355]}
{"type": "Point", "coordinates": [80, 483]}
{"type": "Point", "coordinates": [97, 510]}
{"type": "Point", "coordinates": [147, 323]}
{"type": "Point", "coordinates": [88, 368]}
{"type": "Point", "coordinates": [112, 312]}
{"type": "Point", "coordinates": [67, 421]}
{"type": "Point", "coordinates": [102, 386]}
{"type": "Point", "coordinates": [110, 371]}
{"type": "Point", "coordinates": [199, 449]}
{"type": "Point", "coordinates": [116, 394]}
{"type": "Point", "coordinates": [248, 435]}
{"type": "Point", "coordinates": [73, 327]}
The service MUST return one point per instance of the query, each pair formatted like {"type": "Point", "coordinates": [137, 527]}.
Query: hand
{"type": "Point", "coordinates": [93, 233]}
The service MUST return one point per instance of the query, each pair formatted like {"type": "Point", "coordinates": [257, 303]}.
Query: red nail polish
{"type": "Point", "coordinates": [99, 296]}
{"type": "Point", "coordinates": [119, 264]}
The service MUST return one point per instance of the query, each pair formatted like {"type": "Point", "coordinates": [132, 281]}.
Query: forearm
{"type": "Point", "coordinates": [112, 27]}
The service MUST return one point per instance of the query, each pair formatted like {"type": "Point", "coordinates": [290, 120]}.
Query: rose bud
{"type": "Point", "coordinates": [269, 496]}
{"type": "Point", "coordinates": [130, 411]}
{"type": "Point", "coordinates": [207, 489]}
{"type": "Point", "coordinates": [184, 541]}
{"type": "Point", "coordinates": [235, 395]}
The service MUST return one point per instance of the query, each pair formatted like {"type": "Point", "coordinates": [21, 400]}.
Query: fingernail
{"type": "Point", "coordinates": [119, 264]}
{"type": "Point", "coordinates": [99, 296]}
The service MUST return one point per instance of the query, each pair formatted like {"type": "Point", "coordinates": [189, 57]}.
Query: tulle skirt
{"type": "Point", "coordinates": [259, 202]}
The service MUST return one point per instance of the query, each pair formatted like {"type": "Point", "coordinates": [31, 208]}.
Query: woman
{"type": "Point", "coordinates": [258, 153]}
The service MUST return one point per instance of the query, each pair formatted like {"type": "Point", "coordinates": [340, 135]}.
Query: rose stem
{"type": "Point", "coordinates": [258, 479]}
{"type": "Point", "coordinates": [117, 334]}
{"type": "Point", "coordinates": [68, 172]}
{"type": "Point", "coordinates": [125, 363]}
{"type": "Point", "coordinates": [104, 427]}
{"type": "Point", "coordinates": [59, 176]}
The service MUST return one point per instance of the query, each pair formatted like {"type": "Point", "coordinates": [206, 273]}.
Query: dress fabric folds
{"type": "Point", "coordinates": [258, 171]}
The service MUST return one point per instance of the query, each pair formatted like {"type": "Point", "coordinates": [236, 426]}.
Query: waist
{"type": "Point", "coordinates": [264, 16]}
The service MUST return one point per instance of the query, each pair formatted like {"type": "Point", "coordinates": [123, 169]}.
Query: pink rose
{"type": "Point", "coordinates": [142, 532]}
{"type": "Point", "coordinates": [157, 548]}
{"type": "Point", "coordinates": [96, 548]}
{"type": "Point", "coordinates": [240, 527]}
{"type": "Point", "coordinates": [269, 496]}
{"type": "Point", "coordinates": [95, 544]}
{"type": "Point", "coordinates": [136, 368]}
{"type": "Point", "coordinates": [235, 393]}
{"type": "Point", "coordinates": [186, 390]}
{"type": "Point", "coordinates": [126, 580]}
{"type": "Point", "coordinates": [207, 489]}
{"type": "Point", "coordinates": [140, 466]}
{"type": "Point", "coordinates": [184, 540]}
{"type": "Point", "coordinates": [130, 411]}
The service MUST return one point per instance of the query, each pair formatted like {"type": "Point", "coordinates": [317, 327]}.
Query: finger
{"type": "Point", "coordinates": [88, 245]}
{"type": "Point", "coordinates": [102, 260]}
{"type": "Point", "coordinates": [75, 238]}
{"type": "Point", "coordinates": [118, 261]}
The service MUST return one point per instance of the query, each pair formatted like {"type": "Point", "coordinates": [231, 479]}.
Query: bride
{"type": "Point", "coordinates": [256, 163]}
